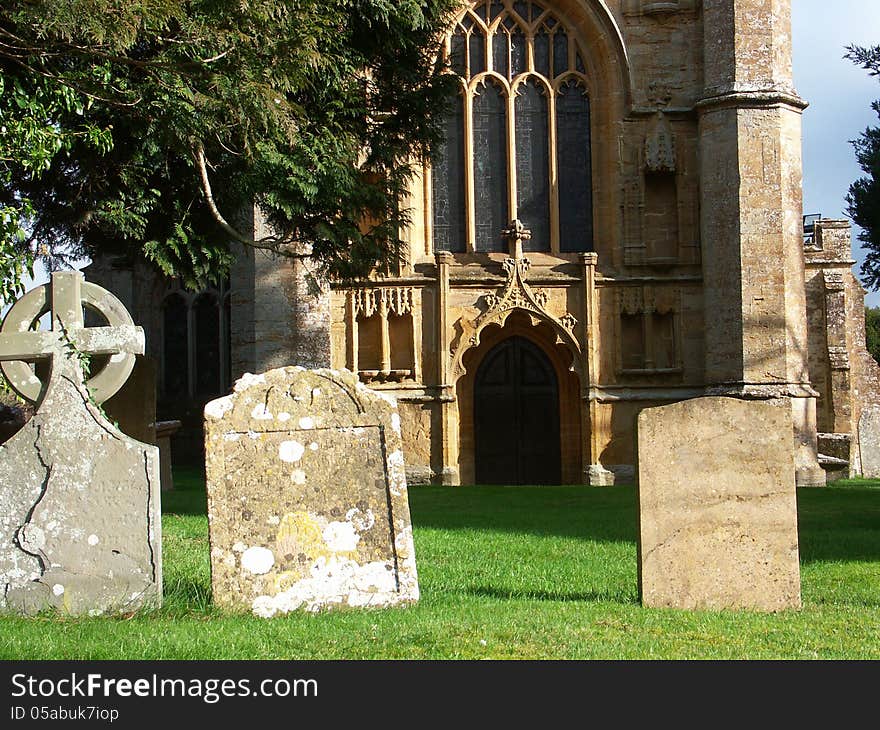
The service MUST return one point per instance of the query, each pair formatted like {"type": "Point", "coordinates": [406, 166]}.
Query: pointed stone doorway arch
{"type": "Point", "coordinates": [516, 416]}
{"type": "Point", "coordinates": [541, 337]}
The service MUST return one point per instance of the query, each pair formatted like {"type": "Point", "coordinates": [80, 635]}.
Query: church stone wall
{"type": "Point", "coordinates": [842, 370]}
{"type": "Point", "coordinates": [696, 282]}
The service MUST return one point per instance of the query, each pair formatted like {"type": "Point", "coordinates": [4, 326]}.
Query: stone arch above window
{"type": "Point", "coordinates": [518, 136]}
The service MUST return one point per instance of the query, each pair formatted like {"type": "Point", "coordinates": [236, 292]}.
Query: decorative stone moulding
{"type": "Point", "coordinates": [395, 300]}
{"type": "Point", "coordinates": [515, 295]}
{"type": "Point", "coordinates": [660, 146]}
{"type": "Point", "coordinates": [661, 7]}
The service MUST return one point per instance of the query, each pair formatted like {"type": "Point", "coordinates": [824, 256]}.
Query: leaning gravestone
{"type": "Point", "coordinates": [79, 500]}
{"type": "Point", "coordinates": [307, 499]}
{"type": "Point", "coordinates": [717, 506]}
{"type": "Point", "coordinates": [869, 442]}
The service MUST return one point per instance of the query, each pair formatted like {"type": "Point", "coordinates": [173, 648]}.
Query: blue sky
{"type": "Point", "coordinates": [840, 96]}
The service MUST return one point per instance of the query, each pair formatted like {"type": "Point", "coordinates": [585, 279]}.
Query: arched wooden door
{"type": "Point", "coordinates": [516, 416]}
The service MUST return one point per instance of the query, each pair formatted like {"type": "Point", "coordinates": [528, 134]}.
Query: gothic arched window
{"type": "Point", "coordinates": [175, 360]}
{"type": "Point", "coordinates": [517, 142]}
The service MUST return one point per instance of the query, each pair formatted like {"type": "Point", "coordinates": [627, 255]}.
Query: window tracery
{"type": "Point", "coordinates": [517, 143]}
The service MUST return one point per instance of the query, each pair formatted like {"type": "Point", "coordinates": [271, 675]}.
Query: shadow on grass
{"type": "Point", "coordinates": [563, 596]}
{"type": "Point", "coordinates": [604, 515]}
{"type": "Point", "coordinates": [188, 496]}
{"type": "Point", "coordinates": [841, 522]}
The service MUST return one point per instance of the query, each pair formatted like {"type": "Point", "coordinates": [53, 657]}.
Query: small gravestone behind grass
{"type": "Point", "coordinates": [869, 442]}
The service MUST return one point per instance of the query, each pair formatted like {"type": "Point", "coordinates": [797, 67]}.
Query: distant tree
{"type": "Point", "coordinates": [863, 198]}
{"type": "Point", "coordinates": [872, 331]}
{"type": "Point", "coordinates": [144, 126]}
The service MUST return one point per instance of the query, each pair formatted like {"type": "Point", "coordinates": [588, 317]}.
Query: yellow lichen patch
{"type": "Point", "coordinates": [301, 533]}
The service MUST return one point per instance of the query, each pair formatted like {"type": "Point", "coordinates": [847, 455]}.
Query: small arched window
{"type": "Point", "coordinates": [517, 142]}
{"type": "Point", "coordinates": [175, 350]}
{"type": "Point", "coordinates": [206, 311]}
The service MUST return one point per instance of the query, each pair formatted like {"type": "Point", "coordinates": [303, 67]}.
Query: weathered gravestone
{"type": "Point", "coordinates": [307, 499]}
{"type": "Point", "coordinates": [79, 500]}
{"type": "Point", "coordinates": [717, 509]}
{"type": "Point", "coordinates": [869, 442]}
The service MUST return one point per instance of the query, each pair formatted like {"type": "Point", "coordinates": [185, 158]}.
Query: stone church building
{"type": "Point", "coordinates": [614, 222]}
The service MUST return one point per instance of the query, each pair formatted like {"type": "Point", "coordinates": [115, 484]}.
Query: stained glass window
{"type": "Point", "coordinates": [207, 341]}
{"type": "Point", "coordinates": [447, 180]}
{"type": "Point", "coordinates": [522, 69]}
{"type": "Point", "coordinates": [575, 196]}
{"type": "Point", "coordinates": [490, 167]}
{"type": "Point", "coordinates": [175, 346]}
{"type": "Point", "coordinates": [533, 164]}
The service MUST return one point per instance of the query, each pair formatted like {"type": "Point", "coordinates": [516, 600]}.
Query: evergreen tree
{"type": "Point", "coordinates": [142, 127]}
{"type": "Point", "coordinates": [863, 198]}
{"type": "Point", "coordinates": [872, 331]}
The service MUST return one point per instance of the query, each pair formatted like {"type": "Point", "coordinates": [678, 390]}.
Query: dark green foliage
{"type": "Point", "coordinates": [314, 110]}
{"type": "Point", "coordinates": [863, 199]}
{"type": "Point", "coordinates": [872, 331]}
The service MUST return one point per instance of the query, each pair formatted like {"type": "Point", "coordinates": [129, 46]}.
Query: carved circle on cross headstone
{"type": "Point", "coordinates": [70, 293]}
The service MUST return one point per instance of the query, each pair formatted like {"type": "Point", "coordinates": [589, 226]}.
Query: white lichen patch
{"type": "Point", "coordinates": [239, 547]}
{"type": "Point", "coordinates": [313, 446]}
{"type": "Point", "coordinates": [93, 540]}
{"type": "Point", "coordinates": [290, 451]}
{"type": "Point", "coordinates": [395, 422]}
{"type": "Point", "coordinates": [273, 520]}
{"type": "Point", "coordinates": [283, 417]}
{"type": "Point", "coordinates": [118, 357]}
{"type": "Point", "coordinates": [219, 408]}
{"type": "Point", "coordinates": [298, 477]}
{"type": "Point", "coordinates": [264, 606]}
{"type": "Point", "coordinates": [306, 422]}
{"type": "Point", "coordinates": [247, 380]}
{"type": "Point", "coordinates": [261, 413]}
{"type": "Point", "coordinates": [341, 537]}
{"type": "Point", "coordinates": [334, 581]}
{"type": "Point", "coordinates": [316, 392]}
{"type": "Point", "coordinates": [257, 560]}
{"type": "Point", "coordinates": [362, 521]}
{"type": "Point", "coordinates": [395, 459]}
{"type": "Point", "coordinates": [231, 436]}
{"type": "Point", "coordinates": [403, 540]}
{"type": "Point", "coordinates": [58, 589]}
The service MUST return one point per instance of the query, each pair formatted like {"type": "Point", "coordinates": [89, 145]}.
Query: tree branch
{"type": "Point", "coordinates": [269, 243]}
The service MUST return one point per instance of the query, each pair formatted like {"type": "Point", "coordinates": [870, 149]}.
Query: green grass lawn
{"type": "Point", "coordinates": [505, 573]}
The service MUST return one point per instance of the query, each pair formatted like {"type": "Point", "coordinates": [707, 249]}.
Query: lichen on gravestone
{"type": "Point", "coordinates": [79, 500]}
{"type": "Point", "coordinates": [307, 498]}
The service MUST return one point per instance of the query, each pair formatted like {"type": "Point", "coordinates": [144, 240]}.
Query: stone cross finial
{"type": "Point", "coordinates": [516, 233]}
{"type": "Point", "coordinates": [69, 338]}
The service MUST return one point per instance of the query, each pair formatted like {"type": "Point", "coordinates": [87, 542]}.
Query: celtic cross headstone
{"type": "Point", "coordinates": [79, 500]}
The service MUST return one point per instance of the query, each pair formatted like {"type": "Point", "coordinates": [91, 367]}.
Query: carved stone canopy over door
{"type": "Point", "coordinates": [516, 416]}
